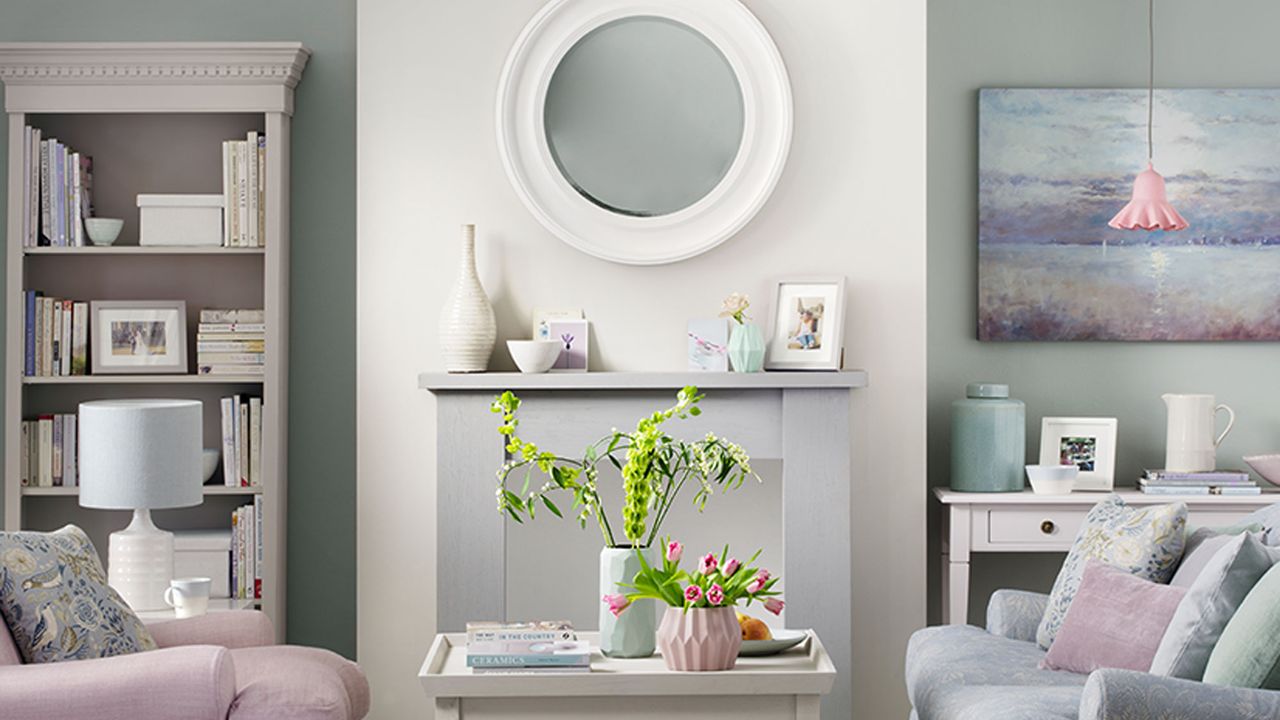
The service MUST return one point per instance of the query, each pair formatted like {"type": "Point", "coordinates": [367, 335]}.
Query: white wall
{"type": "Point", "coordinates": [851, 201]}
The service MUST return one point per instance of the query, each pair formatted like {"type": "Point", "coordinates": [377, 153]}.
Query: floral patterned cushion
{"type": "Point", "coordinates": [1146, 542]}
{"type": "Point", "coordinates": [56, 602]}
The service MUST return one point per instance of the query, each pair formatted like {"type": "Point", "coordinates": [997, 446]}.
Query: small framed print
{"type": "Point", "coordinates": [574, 338]}
{"type": "Point", "coordinates": [808, 325]}
{"type": "Point", "coordinates": [542, 318]}
{"type": "Point", "coordinates": [138, 336]}
{"type": "Point", "coordinates": [708, 345]}
{"type": "Point", "coordinates": [1087, 443]}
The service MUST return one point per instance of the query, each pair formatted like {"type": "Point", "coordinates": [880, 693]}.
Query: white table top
{"type": "Point", "coordinates": [803, 670]}
{"type": "Point", "coordinates": [948, 496]}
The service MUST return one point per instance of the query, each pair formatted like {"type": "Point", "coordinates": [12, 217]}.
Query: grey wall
{"type": "Point", "coordinates": [321, 563]}
{"type": "Point", "coordinates": [1075, 43]}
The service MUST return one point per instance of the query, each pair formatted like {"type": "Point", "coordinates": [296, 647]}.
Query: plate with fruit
{"type": "Point", "coordinates": [760, 639]}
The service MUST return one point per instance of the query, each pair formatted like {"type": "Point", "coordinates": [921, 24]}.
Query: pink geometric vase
{"type": "Point", "coordinates": [700, 639]}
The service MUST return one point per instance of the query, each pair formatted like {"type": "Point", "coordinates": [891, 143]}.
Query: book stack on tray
{"type": "Point", "coordinates": [1209, 482]}
{"type": "Point", "coordinates": [533, 648]}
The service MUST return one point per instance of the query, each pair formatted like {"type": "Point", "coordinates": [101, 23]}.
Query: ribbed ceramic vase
{"type": "Point", "coordinates": [700, 639]}
{"type": "Point", "coordinates": [746, 348]}
{"type": "Point", "coordinates": [468, 329]}
{"type": "Point", "coordinates": [631, 634]}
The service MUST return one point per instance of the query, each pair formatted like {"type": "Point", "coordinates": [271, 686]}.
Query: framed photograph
{"type": "Point", "coordinates": [574, 337]}
{"type": "Point", "coordinates": [543, 316]}
{"type": "Point", "coordinates": [138, 336]}
{"type": "Point", "coordinates": [1087, 443]}
{"type": "Point", "coordinates": [808, 325]}
{"type": "Point", "coordinates": [708, 345]}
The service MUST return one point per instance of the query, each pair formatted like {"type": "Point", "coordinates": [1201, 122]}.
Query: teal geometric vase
{"type": "Point", "coordinates": [746, 348]}
{"type": "Point", "coordinates": [633, 633]}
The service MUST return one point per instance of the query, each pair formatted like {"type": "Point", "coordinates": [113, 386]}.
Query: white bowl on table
{"type": "Point", "coordinates": [1052, 479]}
{"type": "Point", "coordinates": [534, 356]}
{"type": "Point", "coordinates": [1268, 466]}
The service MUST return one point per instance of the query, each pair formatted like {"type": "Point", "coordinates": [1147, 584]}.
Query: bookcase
{"type": "Point", "coordinates": [153, 116]}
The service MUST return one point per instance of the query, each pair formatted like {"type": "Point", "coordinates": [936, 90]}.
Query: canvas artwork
{"type": "Point", "coordinates": [1055, 165]}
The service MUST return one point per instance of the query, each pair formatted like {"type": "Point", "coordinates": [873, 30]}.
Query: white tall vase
{"type": "Point", "coordinates": [468, 329]}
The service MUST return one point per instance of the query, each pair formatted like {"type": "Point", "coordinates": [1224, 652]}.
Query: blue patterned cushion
{"type": "Point", "coordinates": [1144, 541]}
{"type": "Point", "coordinates": [55, 599]}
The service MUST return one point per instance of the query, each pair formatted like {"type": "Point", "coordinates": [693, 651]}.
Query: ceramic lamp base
{"type": "Point", "coordinates": [140, 563]}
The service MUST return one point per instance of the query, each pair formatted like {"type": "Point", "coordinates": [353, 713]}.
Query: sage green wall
{"type": "Point", "coordinates": [322, 491]}
{"type": "Point", "coordinates": [1076, 43]}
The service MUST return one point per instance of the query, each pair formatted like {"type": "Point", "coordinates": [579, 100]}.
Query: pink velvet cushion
{"type": "Point", "coordinates": [287, 682]}
{"type": "Point", "coordinates": [1115, 621]}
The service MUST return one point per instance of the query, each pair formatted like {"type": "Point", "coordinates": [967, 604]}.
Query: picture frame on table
{"type": "Point", "coordinates": [138, 336]}
{"type": "Point", "coordinates": [1087, 443]}
{"type": "Point", "coordinates": [808, 324]}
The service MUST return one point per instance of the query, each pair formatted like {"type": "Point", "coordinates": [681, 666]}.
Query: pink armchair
{"type": "Point", "coordinates": [221, 666]}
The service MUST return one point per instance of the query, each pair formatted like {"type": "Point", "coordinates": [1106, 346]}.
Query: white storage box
{"type": "Point", "coordinates": [204, 553]}
{"type": "Point", "coordinates": [188, 220]}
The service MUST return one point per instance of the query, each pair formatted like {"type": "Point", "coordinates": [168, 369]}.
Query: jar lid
{"type": "Point", "coordinates": [986, 390]}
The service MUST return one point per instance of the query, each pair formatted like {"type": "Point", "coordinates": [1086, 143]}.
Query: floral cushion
{"type": "Point", "coordinates": [56, 602]}
{"type": "Point", "coordinates": [1146, 542]}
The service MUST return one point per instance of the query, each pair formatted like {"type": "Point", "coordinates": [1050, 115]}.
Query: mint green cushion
{"type": "Point", "coordinates": [1248, 653]}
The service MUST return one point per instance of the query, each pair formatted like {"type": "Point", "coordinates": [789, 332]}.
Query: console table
{"type": "Point", "coordinates": [1026, 522]}
{"type": "Point", "coordinates": [787, 685]}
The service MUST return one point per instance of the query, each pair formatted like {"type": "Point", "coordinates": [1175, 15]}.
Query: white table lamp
{"type": "Point", "coordinates": [140, 455]}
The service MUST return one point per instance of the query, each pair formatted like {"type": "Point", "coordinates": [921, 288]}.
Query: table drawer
{"type": "Point", "coordinates": [1052, 528]}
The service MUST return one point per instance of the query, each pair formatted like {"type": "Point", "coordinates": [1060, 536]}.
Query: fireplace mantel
{"type": "Point", "coordinates": [451, 382]}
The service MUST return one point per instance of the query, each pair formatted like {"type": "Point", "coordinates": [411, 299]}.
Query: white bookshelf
{"type": "Point", "coordinates": [153, 116]}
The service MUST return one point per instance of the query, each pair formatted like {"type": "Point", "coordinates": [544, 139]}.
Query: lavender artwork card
{"type": "Point", "coordinates": [574, 342]}
{"type": "Point", "coordinates": [709, 345]}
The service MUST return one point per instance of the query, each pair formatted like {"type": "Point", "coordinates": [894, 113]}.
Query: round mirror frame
{"type": "Point", "coordinates": [766, 95]}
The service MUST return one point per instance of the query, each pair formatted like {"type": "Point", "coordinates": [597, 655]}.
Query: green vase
{"type": "Point", "coordinates": [633, 633]}
{"type": "Point", "coordinates": [746, 348]}
{"type": "Point", "coordinates": [988, 440]}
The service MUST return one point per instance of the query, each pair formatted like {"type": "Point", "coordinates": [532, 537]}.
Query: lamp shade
{"type": "Point", "coordinates": [140, 454]}
{"type": "Point", "coordinates": [1149, 209]}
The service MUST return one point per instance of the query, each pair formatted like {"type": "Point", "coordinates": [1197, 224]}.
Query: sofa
{"type": "Point", "coordinates": [961, 672]}
{"type": "Point", "coordinates": [220, 666]}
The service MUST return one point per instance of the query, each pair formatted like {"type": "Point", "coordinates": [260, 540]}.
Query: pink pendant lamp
{"type": "Point", "coordinates": [1149, 209]}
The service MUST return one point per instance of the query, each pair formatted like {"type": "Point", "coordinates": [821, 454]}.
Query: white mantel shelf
{"type": "Point", "coordinates": [453, 382]}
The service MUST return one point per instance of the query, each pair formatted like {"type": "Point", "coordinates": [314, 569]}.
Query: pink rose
{"type": "Point", "coordinates": [707, 564]}
{"type": "Point", "coordinates": [693, 594]}
{"type": "Point", "coordinates": [774, 605]}
{"type": "Point", "coordinates": [715, 595]}
{"type": "Point", "coordinates": [731, 567]}
{"type": "Point", "coordinates": [758, 584]}
{"type": "Point", "coordinates": [616, 603]}
{"type": "Point", "coordinates": [674, 551]}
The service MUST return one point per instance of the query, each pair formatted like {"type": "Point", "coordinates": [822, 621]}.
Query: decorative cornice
{"type": "Point", "coordinates": [152, 63]}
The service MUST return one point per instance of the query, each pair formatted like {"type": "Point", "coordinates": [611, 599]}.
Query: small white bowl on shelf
{"type": "Point", "coordinates": [209, 460]}
{"type": "Point", "coordinates": [1052, 479]}
{"type": "Point", "coordinates": [1268, 466]}
{"type": "Point", "coordinates": [103, 231]}
{"type": "Point", "coordinates": [534, 356]}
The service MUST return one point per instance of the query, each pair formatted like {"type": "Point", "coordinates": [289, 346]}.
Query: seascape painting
{"type": "Point", "coordinates": [1055, 165]}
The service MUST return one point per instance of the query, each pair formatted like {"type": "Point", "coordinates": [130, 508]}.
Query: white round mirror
{"type": "Point", "coordinates": [644, 132]}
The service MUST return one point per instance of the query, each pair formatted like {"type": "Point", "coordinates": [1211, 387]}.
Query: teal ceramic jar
{"type": "Point", "coordinates": [988, 440]}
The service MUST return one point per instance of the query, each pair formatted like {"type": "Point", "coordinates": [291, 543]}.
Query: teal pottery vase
{"type": "Point", "coordinates": [988, 440]}
{"type": "Point", "coordinates": [633, 633]}
{"type": "Point", "coordinates": [746, 348]}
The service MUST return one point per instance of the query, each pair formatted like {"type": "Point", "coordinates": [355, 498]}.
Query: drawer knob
{"type": "Point", "coordinates": [1047, 527]}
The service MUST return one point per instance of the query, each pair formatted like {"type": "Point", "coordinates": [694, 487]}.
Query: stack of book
{"type": "Point", "coordinates": [246, 551]}
{"type": "Point", "coordinates": [244, 190]}
{"type": "Point", "coordinates": [55, 336]}
{"type": "Point", "coordinates": [48, 452]}
{"type": "Point", "coordinates": [539, 647]}
{"type": "Point", "coordinates": [57, 192]}
{"type": "Point", "coordinates": [231, 342]}
{"type": "Point", "coordinates": [241, 441]}
{"type": "Point", "coordinates": [1210, 482]}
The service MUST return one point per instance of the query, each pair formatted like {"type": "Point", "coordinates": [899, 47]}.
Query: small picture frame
{"type": "Point", "coordinates": [138, 336]}
{"type": "Point", "coordinates": [1087, 443]}
{"type": "Point", "coordinates": [575, 341]}
{"type": "Point", "coordinates": [808, 324]}
{"type": "Point", "coordinates": [708, 345]}
{"type": "Point", "coordinates": [542, 317]}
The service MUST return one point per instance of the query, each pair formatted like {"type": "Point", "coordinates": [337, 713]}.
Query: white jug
{"type": "Point", "coordinates": [1189, 444]}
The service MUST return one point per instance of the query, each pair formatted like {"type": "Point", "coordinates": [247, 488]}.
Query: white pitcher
{"type": "Point", "coordinates": [1190, 445]}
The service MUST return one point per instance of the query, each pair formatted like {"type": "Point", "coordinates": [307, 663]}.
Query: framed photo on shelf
{"type": "Point", "coordinates": [138, 336]}
{"type": "Point", "coordinates": [808, 325]}
{"type": "Point", "coordinates": [1087, 443]}
{"type": "Point", "coordinates": [574, 337]}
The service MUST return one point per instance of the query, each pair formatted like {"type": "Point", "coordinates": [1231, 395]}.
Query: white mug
{"type": "Point", "coordinates": [189, 597]}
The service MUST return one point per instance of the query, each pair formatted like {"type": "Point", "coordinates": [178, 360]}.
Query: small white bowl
{"type": "Point", "coordinates": [534, 356]}
{"type": "Point", "coordinates": [1052, 479]}
{"type": "Point", "coordinates": [103, 231]}
{"type": "Point", "coordinates": [1268, 466]}
{"type": "Point", "coordinates": [210, 459]}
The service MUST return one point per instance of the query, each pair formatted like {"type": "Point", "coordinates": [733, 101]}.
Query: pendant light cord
{"type": "Point", "coordinates": [1151, 73]}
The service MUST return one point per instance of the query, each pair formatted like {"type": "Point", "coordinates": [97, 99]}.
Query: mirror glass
{"type": "Point", "coordinates": [644, 116]}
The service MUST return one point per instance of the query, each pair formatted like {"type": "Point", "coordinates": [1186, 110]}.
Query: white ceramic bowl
{"type": "Point", "coordinates": [210, 459]}
{"type": "Point", "coordinates": [534, 356]}
{"type": "Point", "coordinates": [103, 231]}
{"type": "Point", "coordinates": [1052, 479]}
{"type": "Point", "coordinates": [1268, 466]}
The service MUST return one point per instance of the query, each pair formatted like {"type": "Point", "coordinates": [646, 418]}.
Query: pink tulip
{"type": "Point", "coordinates": [616, 603]}
{"type": "Point", "coordinates": [707, 564]}
{"type": "Point", "coordinates": [731, 567]}
{"type": "Point", "coordinates": [715, 595]}
{"type": "Point", "coordinates": [774, 605]}
{"type": "Point", "coordinates": [693, 593]}
{"type": "Point", "coordinates": [674, 551]}
{"type": "Point", "coordinates": [758, 584]}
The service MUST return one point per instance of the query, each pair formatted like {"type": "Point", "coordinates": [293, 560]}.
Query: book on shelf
{"type": "Point", "coordinates": [231, 342]}
{"type": "Point", "coordinates": [48, 455]}
{"type": "Point", "coordinates": [246, 551]}
{"type": "Point", "coordinates": [57, 192]}
{"type": "Point", "coordinates": [1144, 482]}
{"type": "Point", "coordinates": [244, 191]}
{"type": "Point", "coordinates": [1202, 490]}
{"type": "Point", "coordinates": [242, 441]}
{"type": "Point", "coordinates": [1214, 476]}
{"type": "Point", "coordinates": [55, 336]}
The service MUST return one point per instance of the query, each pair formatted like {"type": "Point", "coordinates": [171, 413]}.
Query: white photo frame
{"type": "Point", "coordinates": [575, 336]}
{"type": "Point", "coordinates": [1089, 443]}
{"type": "Point", "coordinates": [815, 304]}
{"type": "Point", "coordinates": [138, 336]}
